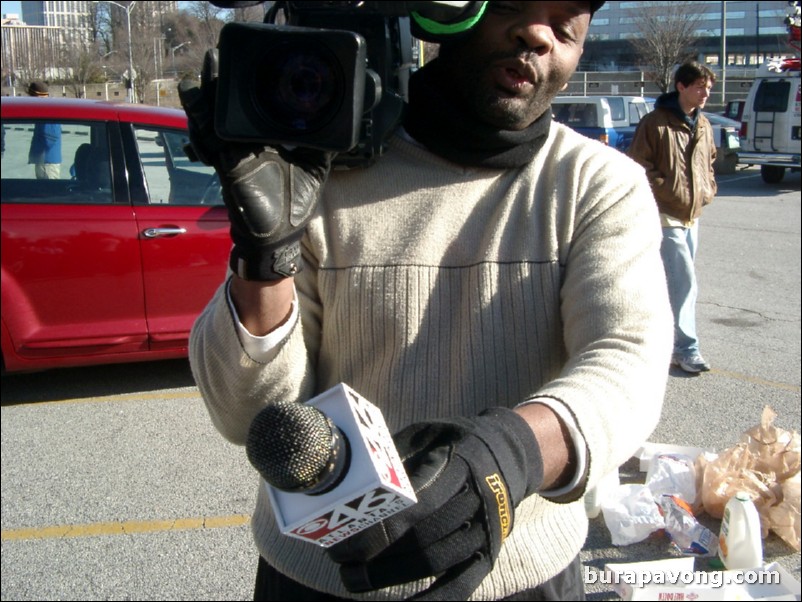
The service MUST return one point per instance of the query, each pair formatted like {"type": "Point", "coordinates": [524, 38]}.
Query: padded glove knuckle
{"type": "Point", "coordinates": [270, 193]}
{"type": "Point", "coordinates": [469, 474]}
{"type": "Point", "coordinates": [259, 198]}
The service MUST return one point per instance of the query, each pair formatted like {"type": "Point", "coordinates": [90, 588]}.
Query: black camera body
{"type": "Point", "coordinates": [334, 77]}
{"type": "Point", "coordinates": [291, 84]}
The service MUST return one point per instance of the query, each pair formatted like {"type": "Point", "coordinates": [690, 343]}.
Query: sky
{"type": "Point", "coordinates": [11, 8]}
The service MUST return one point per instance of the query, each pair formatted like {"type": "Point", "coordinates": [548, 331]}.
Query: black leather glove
{"type": "Point", "coordinates": [270, 192]}
{"type": "Point", "coordinates": [468, 474]}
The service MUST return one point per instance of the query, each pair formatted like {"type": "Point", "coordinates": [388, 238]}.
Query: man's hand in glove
{"type": "Point", "coordinates": [468, 474]}
{"type": "Point", "coordinates": [270, 193]}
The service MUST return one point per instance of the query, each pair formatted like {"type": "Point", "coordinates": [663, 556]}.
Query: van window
{"type": "Point", "coordinates": [636, 112]}
{"type": "Point", "coordinates": [578, 114]}
{"type": "Point", "coordinates": [772, 97]}
{"type": "Point", "coordinates": [617, 108]}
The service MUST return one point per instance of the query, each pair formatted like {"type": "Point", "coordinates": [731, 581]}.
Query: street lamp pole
{"type": "Point", "coordinates": [724, 53]}
{"type": "Point", "coordinates": [131, 96]}
{"type": "Point", "coordinates": [172, 55]}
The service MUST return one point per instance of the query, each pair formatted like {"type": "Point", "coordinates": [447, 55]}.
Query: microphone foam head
{"type": "Point", "coordinates": [292, 446]}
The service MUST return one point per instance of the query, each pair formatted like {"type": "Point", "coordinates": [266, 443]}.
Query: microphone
{"type": "Point", "coordinates": [296, 448]}
{"type": "Point", "coordinates": [330, 466]}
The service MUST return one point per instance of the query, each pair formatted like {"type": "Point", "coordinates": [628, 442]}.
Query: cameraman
{"type": "Point", "coordinates": [492, 283]}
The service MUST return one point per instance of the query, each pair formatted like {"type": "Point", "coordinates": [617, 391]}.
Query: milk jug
{"type": "Point", "coordinates": [739, 544]}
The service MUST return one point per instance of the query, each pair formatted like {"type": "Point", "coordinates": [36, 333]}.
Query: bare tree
{"type": "Point", "coordinates": [98, 22]}
{"type": "Point", "coordinates": [180, 31]}
{"type": "Point", "coordinates": [209, 21]}
{"type": "Point", "coordinates": [81, 63]}
{"type": "Point", "coordinates": [667, 35]}
{"type": "Point", "coordinates": [100, 25]}
{"type": "Point", "coordinates": [145, 44]}
{"type": "Point", "coordinates": [202, 22]}
{"type": "Point", "coordinates": [251, 14]}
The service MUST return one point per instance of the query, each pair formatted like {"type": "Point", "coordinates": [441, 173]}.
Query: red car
{"type": "Point", "coordinates": [113, 240]}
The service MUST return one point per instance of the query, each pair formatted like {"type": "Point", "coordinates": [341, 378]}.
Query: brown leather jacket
{"type": "Point", "coordinates": [679, 164]}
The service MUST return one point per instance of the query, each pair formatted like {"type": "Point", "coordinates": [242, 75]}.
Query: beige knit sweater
{"type": "Point", "coordinates": [436, 290]}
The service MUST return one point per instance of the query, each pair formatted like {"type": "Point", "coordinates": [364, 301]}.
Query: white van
{"type": "Point", "coordinates": [609, 119]}
{"type": "Point", "coordinates": [770, 124]}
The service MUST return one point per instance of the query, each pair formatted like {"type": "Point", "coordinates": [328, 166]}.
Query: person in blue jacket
{"type": "Point", "coordinates": [45, 151]}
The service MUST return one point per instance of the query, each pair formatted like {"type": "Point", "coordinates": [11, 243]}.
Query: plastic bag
{"type": "Point", "coordinates": [673, 474]}
{"type": "Point", "coordinates": [765, 464]}
{"type": "Point", "coordinates": [687, 534]}
{"type": "Point", "coordinates": [631, 514]}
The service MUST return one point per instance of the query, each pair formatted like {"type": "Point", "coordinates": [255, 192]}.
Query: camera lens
{"type": "Point", "coordinates": [300, 88]}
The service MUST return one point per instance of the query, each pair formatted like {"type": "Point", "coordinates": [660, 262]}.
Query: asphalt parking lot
{"type": "Point", "coordinates": [115, 485]}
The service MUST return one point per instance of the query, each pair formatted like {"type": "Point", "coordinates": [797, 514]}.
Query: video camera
{"type": "Point", "coordinates": [331, 76]}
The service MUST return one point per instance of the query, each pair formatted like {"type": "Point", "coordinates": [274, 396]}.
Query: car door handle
{"type": "Point", "coordinates": [159, 232]}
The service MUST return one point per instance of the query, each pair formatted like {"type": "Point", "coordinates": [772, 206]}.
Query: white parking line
{"type": "Point", "coordinates": [743, 177]}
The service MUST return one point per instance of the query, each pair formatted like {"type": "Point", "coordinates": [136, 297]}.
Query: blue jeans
{"type": "Point", "coordinates": [679, 251]}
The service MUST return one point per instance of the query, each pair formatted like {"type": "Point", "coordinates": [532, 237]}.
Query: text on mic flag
{"type": "Point", "coordinates": [376, 484]}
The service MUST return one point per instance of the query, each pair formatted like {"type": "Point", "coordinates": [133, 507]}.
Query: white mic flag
{"type": "Point", "coordinates": [375, 486]}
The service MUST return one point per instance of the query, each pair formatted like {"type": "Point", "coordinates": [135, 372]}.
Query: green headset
{"type": "Point", "coordinates": [438, 25]}
{"type": "Point", "coordinates": [438, 28]}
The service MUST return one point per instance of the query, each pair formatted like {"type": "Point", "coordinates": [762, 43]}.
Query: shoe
{"type": "Point", "coordinates": [690, 363]}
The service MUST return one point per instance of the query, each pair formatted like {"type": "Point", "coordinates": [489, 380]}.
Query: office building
{"type": "Point", "coordinates": [754, 31]}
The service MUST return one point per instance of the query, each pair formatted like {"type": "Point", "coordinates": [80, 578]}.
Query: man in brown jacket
{"type": "Point", "coordinates": [675, 145]}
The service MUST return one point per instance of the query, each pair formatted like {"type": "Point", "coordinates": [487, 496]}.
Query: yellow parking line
{"type": "Point", "coordinates": [210, 522]}
{"type": "Point", "coordinates": [756, 381]}
{"type": "Point", "coordinates": [138, 396]}
{"type": "Point", "coordinates": [125, 528]}
{"type": "Point", "coordinates": [121, 397]}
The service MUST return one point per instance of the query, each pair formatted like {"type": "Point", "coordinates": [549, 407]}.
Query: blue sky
{"type": "Point", "coordinates": [10, 7]}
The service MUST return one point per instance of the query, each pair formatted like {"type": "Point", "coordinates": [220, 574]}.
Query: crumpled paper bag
{"type": "Point", "coordinates": [765, 463]}
{"type": "Point", "coordinates": [784, 517]}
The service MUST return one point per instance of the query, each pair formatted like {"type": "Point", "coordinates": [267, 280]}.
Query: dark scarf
{"type": "Point", "coordinates": [444, 127]}
{"type": "Point", "coordinates": [670, 102]}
